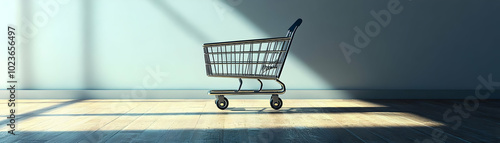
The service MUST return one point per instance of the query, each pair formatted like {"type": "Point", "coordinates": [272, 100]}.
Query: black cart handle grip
{"type": "Point", "coordinates": [295, 25]}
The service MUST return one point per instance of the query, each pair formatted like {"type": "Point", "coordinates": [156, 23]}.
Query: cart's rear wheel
{"type": "Point", "coordinates": [276, 104]}
{"type": "Point", "coordinates": [222, 104]}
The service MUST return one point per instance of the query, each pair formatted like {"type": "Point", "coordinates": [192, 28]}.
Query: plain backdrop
{"type": "Point", "coordinates": [157, 44]}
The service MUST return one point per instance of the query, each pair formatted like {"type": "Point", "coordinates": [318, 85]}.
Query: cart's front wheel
{"type": "Point", "coordinates": [222, 104]}
{"type": "Point", "coordinates": [276, 104]}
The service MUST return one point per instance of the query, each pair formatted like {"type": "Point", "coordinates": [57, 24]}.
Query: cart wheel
{"type": "Point", "coordinates": [222, 104]}
{"type": "Point", "coordinates": [276, 104]}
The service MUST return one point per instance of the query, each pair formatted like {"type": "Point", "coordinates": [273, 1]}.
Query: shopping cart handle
{"type": "Point", "coordinates": [296, 24]}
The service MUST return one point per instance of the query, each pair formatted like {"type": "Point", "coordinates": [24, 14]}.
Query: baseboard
{"type": "Point", "coordinates": [202, 94]}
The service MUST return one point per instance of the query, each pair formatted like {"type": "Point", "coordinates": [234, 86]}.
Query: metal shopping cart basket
{"type": "Point", "coordinates": [260, 59]}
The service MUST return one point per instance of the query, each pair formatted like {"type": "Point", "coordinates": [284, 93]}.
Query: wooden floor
{"type": "Point", "coordinates": [332, 120]}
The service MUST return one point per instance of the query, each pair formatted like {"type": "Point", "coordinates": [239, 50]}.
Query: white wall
{"type": "Point", "coordinates": [116, 44]}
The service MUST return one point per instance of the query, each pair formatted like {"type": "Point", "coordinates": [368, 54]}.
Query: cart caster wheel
{"type": "Point", "coordinates": [222, 104]}
{"type": "Point", "coordinates": [276, 104]}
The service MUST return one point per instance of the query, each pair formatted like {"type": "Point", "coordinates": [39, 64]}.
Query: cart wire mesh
{"type": "Point", "coordinates": [260, 58]}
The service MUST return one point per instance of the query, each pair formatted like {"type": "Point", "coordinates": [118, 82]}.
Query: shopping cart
{"type": "Point", "coordinates": [260, 59]}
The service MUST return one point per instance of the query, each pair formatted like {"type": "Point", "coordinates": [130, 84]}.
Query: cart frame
{"type": "Point", "coordinates": [242, 60]}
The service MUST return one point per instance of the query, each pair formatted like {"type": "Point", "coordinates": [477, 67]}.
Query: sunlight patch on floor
{"type": "Point", "coordinates": [169, 114]}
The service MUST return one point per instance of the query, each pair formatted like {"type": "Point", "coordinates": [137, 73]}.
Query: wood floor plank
{"type": "Point", "coordinates": [407, 127]}
{"type": "Point", "coordinates": [35, 120]}
{"type": "Point", "coordinates": [248, 120]}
